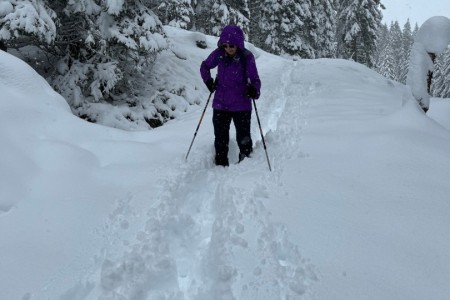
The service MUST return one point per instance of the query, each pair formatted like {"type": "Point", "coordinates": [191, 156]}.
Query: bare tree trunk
{"type": "Point", "coordinates": [430, 73]}
{"type": "Point", "coordinates": [3, 46]}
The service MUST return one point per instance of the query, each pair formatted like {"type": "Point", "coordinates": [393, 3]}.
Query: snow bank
{"type": "Point", "coordinates": [25, 98]}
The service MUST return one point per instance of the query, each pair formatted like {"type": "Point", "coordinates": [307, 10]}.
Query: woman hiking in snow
{"type": "Point", "coordinates": [237, 82]}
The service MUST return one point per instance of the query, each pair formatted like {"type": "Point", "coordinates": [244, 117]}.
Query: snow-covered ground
{"type": "Point", "coordinates": [357, 205]}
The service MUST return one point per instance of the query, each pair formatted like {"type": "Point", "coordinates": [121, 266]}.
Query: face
{"type": "Point", "coordinates": [230, 49]}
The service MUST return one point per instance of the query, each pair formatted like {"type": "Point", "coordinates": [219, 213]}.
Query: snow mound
{"type": "Point", "coordinates": [20, 82]}
{"type": "Point", "coordinates": [26, 100]}
{"type": "Point", "coordinates": [434, 34]}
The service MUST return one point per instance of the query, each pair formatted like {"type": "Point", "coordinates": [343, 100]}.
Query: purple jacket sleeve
{"type": "Point", "coordinates": [209, 63]}
{"type": "Point", "coordinates": [252, 74]}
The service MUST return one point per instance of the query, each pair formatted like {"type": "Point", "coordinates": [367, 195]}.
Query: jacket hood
{"type": "Point", "coordinates": [233, 35]}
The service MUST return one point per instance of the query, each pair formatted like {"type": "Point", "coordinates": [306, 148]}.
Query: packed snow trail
{"type": "Point", "coordinates": [217, 242]}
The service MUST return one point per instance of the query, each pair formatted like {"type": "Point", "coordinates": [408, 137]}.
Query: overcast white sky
{"type": "Point", "coordinates": [416, 10]}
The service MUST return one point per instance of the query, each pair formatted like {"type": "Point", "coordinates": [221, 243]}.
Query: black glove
{"type": "Point", "coordinates": [252, 92]}
{"type": "Point", "coordinates": [211, 85]}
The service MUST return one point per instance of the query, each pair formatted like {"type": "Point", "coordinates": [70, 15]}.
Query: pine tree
{"type": "Point", "coordinates": [445, 92]}
{"type": "Point", "coordinates": [384, 61]}
{"type": "Point", "coordinates": [202, 15]}
{"type": "Point", "coordinates": [255, 30]}
{"type": "Point", "coordinates": [27, 21]}
{"type": "Point", "coordinates": [226, 12]}
{"type": "Point", "coordinates": [416, 29]}
{"type": "Point", "coordinates": [310, 32]}
{"type": "Point", "coordinates": [407, 42]}
{"type": "Point", "coordinates": [177, 13]}
{"type": "Point", "coordinates": [241, 14]}
{"type": "Point", "coordinates": [441, 83]}
{"type": "Point", "coordinates": [396, 43]}
{"type": "Point", "coordinates": [103, 46]}
{"type": "Point", "coordinates": [358, 23]}
{"type": "Point", "coordinates": [212, 15]}
{"type": "Point", "coordinates": [325, 15]}
{"type": "Point", "coordinates": [387, 66]}
{"type": "Point", "coordinates": [284, 28]}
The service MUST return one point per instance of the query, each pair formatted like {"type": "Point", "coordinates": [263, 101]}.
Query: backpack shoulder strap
{"type": "Point", "coordinates": [243, 60]}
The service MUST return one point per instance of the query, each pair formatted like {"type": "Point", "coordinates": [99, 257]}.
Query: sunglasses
{"type": "Point", "coordinates": [225, 46]}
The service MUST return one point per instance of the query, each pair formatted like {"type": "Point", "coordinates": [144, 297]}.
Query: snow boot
{"type": "Point", "coordinates": [242, 156]}
{"type": "Point", "coordinates": [221, 161]}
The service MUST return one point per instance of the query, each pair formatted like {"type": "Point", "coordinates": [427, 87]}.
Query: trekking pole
{"type": "Point", "coordinates": [262, 136]}
{"type": "Point", "coordinates": [198, 126]}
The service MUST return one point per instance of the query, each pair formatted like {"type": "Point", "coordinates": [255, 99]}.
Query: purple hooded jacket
{"type": "Point", "coordinates": [231, 89]}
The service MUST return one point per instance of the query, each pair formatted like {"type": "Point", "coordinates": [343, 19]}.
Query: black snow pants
{"type": "Point", "coordinates": [221, 121]}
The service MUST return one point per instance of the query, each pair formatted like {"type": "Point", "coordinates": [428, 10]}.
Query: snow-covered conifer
{"type": "Point", "coordinates": [255, 31]}
{"type": "Point", "coordinates": [325, 30]}
{"type": "Point", "coordinates": [177, 13]}
{"type": "Point", "coordinates": [284, 27]}
{"type": "Point", "coordinates": [104, 49]}
{"type": "Point", "coordinates": [381, 43]}
{"type": "Point", "coordinates": [396, 43]}
{"type": "Point", "coordinates": [384, 57]}
{"type": "Point", "coordinates": [441, 84]}
{"type": "Point", "coordinates": [27, 18]}
{"type": "Point", "coordinates": [225, 12]}
{"type": "Point", "coordinates": [211, 16]}
{"type": "Point", "coordinates": [407, 42]}
{"type": "Point", "coordinates": [358, 23]}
